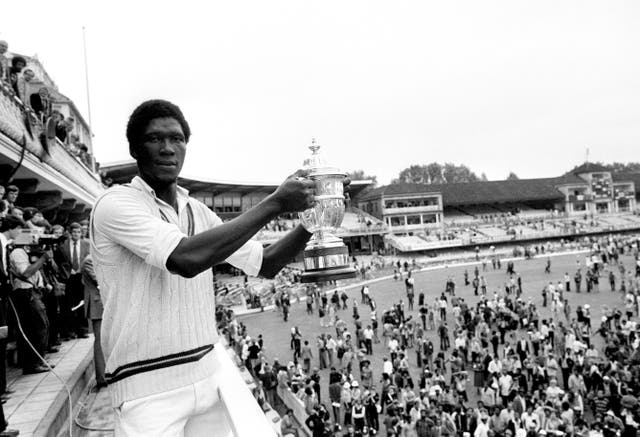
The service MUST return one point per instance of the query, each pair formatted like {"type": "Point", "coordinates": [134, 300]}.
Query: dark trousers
{"type": "Point", "coordinates": [50, 301]}
{"type": "Point", "coordinates": [33, 319]}
{"type": "Point", "coordinates": [73, 322]}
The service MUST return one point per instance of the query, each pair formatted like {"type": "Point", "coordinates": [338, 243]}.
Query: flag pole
{"type": "Point", "coordinates": [86, 79]}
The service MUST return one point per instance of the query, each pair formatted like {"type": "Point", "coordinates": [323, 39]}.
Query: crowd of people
{"type": "Point", "coordinates": [48, 289]}
{"type": "Point", "coordinates": [20, 81]}
{"type": "Point", "coordinates": [516, 362]}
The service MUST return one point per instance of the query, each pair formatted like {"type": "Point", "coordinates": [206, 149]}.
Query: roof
{"type": "Point", "coordinates": [472, 193]}
{"type": "Point", "coordinates": [123, 171]}
{"type": "Point", "coordinates": [588, 167]}
{"type": "Point", "coordinates": [627, 177]}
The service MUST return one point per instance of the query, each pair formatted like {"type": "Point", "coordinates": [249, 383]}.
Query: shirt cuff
{"type": "Point", "coordinates": [253, 263]}
{"type": "Point", "coordinates": [164, 243]}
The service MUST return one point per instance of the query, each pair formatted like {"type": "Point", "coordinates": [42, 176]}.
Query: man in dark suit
{"type": "Point", "coordinates": [69, 258]}
{"type": "Point", "coordinates": [522, 348]}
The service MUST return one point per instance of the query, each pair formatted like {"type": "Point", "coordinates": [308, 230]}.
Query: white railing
{"type": "Point", "coordinates": [12, 124]}
{"type": "Point", "coordinates": [244, 416]}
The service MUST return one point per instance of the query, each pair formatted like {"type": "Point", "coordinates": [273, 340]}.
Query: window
{"type": "Point", "coordinates": [429, 218]}
{"type": "Point", "coordinates": [413, 219]}
{"type": "Point", "coordinates": [397, 221]}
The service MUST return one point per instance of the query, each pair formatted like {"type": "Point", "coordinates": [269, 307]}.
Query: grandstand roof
{"type": "Point", "coordinates": [627, 177]}
{"type": "Point", "coordinates": [588, 167]}
{"type": "Point", "coordinates": [472, 193]}
{"type": "Point", "coordinates": [123, 171]}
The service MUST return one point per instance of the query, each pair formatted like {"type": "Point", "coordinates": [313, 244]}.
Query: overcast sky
{"type": "Point", "coordinates": [498, 86]}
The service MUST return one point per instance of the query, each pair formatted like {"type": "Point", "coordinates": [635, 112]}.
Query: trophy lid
{"type": "Point", "coordinates": [316, 163]}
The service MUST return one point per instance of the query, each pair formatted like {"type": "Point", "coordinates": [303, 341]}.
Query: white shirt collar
{"type": "Point", "coordinates": [182, 194]}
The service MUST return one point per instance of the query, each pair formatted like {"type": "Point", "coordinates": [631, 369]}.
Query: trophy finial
{"type": "Point", "coordinates": [314, 147]}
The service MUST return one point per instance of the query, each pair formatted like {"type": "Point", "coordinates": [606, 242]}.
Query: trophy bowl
{"type": "Point", "coordinates": [326, 257]}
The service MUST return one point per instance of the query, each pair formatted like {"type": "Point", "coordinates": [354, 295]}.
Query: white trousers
{"type": "Point", "coordinates": [193, 411]}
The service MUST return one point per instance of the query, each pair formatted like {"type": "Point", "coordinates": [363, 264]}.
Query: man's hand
{"type": "Point", "coordinates": [47, 254]}
{"type": "Point", "coordinates": [295, 193]}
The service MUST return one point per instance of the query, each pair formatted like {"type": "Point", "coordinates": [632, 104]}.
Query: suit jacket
{"type": "Point", "coordinates": [63, 256]}
{"type": "Point", "coordinates": [93, 303]}
{"type": "Point", "coordinates": [522, 350]}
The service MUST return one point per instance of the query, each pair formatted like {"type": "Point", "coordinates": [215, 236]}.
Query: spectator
{"type": "Point", "coordinates": [288, 424]}
{"type": "Point", "coordinates": [40, 103]}
{"type": "Point", "coordinates": [4, 62]}
{"type": "Point", "coordinates": [84, 155]}
{"type": "Point", "coordinates": [93, 312]}
{"type": "Point", "coordinates": [17, 212]}
{"type": "Point", "coordinates": [69, 125]}
{"type": "Point", "coordinates": [28, 286]}
{"type": "Point", "coordinates": [12, 195]}
{"type": "Point", "coordinates": [17, 65]}
{"type": "Point", "coordinates": [61, 127]}
{"type": "Point", "coordinates": [35, 220]}
{"type": "Point", "coordinates": [24, 81]}
{"type": "Point", "coordinates": [68, 257]}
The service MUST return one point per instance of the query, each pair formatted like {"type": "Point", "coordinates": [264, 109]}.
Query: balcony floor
{"type": "Point", "coordinates": [36, 403]}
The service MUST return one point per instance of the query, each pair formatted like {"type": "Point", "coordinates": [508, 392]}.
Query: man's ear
{"type": "Point", "coordinates": [132, 152]}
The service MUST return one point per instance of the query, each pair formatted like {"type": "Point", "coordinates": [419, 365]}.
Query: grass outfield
{"type": "Point", "coordinates": [276, 333]}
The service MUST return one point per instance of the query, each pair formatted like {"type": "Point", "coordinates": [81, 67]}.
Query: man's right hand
{"type": "Point", "coordinates": [295, 194]}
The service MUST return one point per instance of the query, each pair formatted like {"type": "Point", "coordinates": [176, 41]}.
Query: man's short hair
{"type": "Point", "coordinates": [13, 189]}
{"type": "Point", "coordinates": [29, 212]}
{"type": "Point", "coordinates": [16, 59]}
{"type": "Point", "coordinates": [150, 110]}
{"type": "Point", "coordinates": [11, 222]}
{"type": "Point", "coordinates": [74, 225]}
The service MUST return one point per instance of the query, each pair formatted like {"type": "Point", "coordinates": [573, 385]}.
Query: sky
{"type": "Point", "coordinates": [500, 86]}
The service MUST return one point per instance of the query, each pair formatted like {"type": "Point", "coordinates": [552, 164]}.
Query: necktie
{"type": "Point", "coordinates": [75, 265]}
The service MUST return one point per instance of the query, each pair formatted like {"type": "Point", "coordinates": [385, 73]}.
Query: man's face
{"type": "Point", "coordinates": [161, 154]}
{"type": "Point", "coordinates": [29, 75]}
{"type": "Point", "coordinates": [13, 233]}
{"type": "Point", "coordinates": [3, 48]}
{"type": "Point", "coordinates": [58, 231]}
{"type": "Point", "coordinates": [12, 196]}
{"type": "Point", "coordinates": [85, 230]}
{"type": "Point", "coordinates": [17, 213]}
{"type": "Point", "coordinates": [76, 233]}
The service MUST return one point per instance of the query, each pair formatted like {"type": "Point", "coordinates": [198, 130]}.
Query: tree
{"type": "Point", "coordinates": [512, 176]}
{"type": "Point", "coordinates": [415, 174]}
{"type": "Point", "coordinates": [483, 177]}
{"type": "Point", "coordinates": [435, 173]}
{"type": "Point", "coordinates": [458, 173]}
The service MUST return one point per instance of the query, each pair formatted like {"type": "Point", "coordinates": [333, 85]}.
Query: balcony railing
{"type": "Point", "coordinates": [17, 123]}
{"type": "Point", "coordinates": [581, 198]}
{"type": "Point", "coordinates": [411, 209]}
{"type": "Point", "coordinates": [244, 418]}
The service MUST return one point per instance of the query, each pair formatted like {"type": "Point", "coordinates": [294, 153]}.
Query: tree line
{"type": "Point", "coordinates": [436, 173]}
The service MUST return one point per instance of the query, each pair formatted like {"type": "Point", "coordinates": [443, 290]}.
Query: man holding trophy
{"type": "Point", "coordinates": [153, 247]}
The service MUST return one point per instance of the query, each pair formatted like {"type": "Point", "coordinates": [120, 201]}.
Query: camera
{"type": "Point", "coordinates": [35, 241]}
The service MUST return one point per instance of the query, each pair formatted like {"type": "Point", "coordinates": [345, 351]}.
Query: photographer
{"type": "Point", "coordinates": [28, 285]}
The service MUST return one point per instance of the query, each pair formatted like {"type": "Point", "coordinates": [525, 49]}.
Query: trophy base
{"type": "Point", "coordinates": [325, 275]}
{"type": "Point", "coordinates": [324, 264]}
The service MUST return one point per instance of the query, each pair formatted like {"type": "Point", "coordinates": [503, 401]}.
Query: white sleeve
{"type": "Point", "coordinates": [124, 220]}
